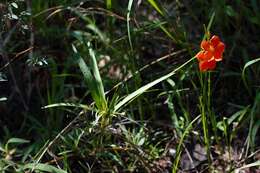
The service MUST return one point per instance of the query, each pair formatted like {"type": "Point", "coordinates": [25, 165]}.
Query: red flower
{"type": "Point", "coordinates": [212, 51]}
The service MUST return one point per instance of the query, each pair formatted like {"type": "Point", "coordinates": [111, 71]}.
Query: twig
{"type": "Point", "coordinates": [65, 129]}
{"type": "Point", "coordinates": [146, 66]}
{"type": "Point", "coordinates": [15, 57]}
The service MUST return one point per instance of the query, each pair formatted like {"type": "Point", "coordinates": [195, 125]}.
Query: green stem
{"type": "Point", "coordinates": [211, 115]}
{"type": "Point", "coordinates": [205, 127]}
{"type": "Point", "coordinates": [203, 102]}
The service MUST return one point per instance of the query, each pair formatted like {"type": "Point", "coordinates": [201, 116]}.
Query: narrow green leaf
{"type": "Point", "coordinates": [3, 99]}
{"type": "Point", "coordinates": [238, 115]}
{"type": "Point", "coordinates": [253, 135]}
{"type": "Point", "coordinates": [87, 76]}
{"type": "Point", "coordinates": [109, 4]}
{"type": "Point", "coordinates": [173, 113]}
{"type": "Point", "coordinates": [2, 77]}
{"type": "Point", "coordinates": [17, 141]}
{"type": "Point", "coordinates": [144, 88]}
{"type": "Point", "coordinates": [168, 33]}
{"type": "Point", "coordinates": [43, 167]}
{"type": "Point", "coordinates": [257, 163]}
{"type": "Point", "coordinates": [209, 25]}
{"type": "Point", "coordinates": [93, 80]}
{"type": "Point", "coordinates": [14, 5]}
{"type": "Point", "coordinates": [130, 3]}
{"type": "Point", "coordinates": [155, 6]}
{"type": "Point", "coordinates": [97, 78]}
{"type": "Point", "coordinates": [230, 11]}
{"type": "Point", "coordinates": [248, 64]}
{"type": "Point", "coordinates": [97, 31]}
{"type": "Point", "coordinates": [67, 105]}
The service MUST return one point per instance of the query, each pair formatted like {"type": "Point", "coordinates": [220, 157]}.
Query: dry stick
{"type": "Point", "coordinates": [47, 10]}
{"type": "Point", "coordinates": [248, 157]}
{"type": "Point", "coordinates": [58, 136]}
{"type": "Point", "coordinates": [55, 158]}
{"type": "Point", "coordinates": [146, 66]}
{"type": "Point", "coordinates": [244, 149]}
{"type": "Point", "coordinates": [91, 9]}
{"type": "Point", "coordinates": [110, 13]}
{"type": "Point", "coordinates": [189, 155]}
{"type": "Point", "coordinates": [15, 57]}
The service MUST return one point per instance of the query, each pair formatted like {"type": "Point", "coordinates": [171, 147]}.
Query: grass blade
{"type": "Point", "coordinates": [43, 167]}
{"type": "Point", "coordinates": [144, 88]}
{"type": "Point", "coordinates": [87, 76]}
{"type": "Point", "coordinates": [248, 64]}
{"type": "Point", "coordinates": [15, 141]}
{"type": "Point", "coordinates": [3, 99]}
{"type": "Point", "coordinates": [155, 6]}
{"type": "Point", "coordinates": [97, 78]}
{"type": "Point", "coordinates": [67, 105]}
{"type": "Point", "coordinates": [130, 3]}
{"type": "Point", "coordinates": [109, 4]}
{"type": "Point", "coordinates": [257, 163]}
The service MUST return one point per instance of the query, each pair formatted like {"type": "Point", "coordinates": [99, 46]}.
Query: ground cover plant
{"type": "Point", "coordinates": [129, 86]}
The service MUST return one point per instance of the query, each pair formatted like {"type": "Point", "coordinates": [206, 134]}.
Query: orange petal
{"type": "Point", "coordinates": [212, 65]}
{"type": "Point", "coordinates": [219, 51]}
{"type": "Point", "coordinates": [207, 65]}
{"type": "Point", "coordinates": [214, 40]}
{"type": "Point", "coordinates": [200, 55]}
{"type": "Point", "coordinates": [204, 45]}
{"type": "Point", "coordinates": [203, 66]}
{"type": "Point", "coordinates": [204, 55]}
{"type": "Point", "coordinates": [208, 55]}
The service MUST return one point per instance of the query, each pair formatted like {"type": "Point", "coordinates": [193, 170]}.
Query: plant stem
{"type": "Point", "coordinates": [205, 127]}
{"type": "Point", "coordinates": [211, 115]}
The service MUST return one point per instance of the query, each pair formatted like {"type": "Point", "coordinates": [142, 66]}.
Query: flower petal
{"type": "Point", "coordinates": [204, 55]}
{"type": "Point", "coordinates": [207, 65]}
{"type": "Point", "coordinates": [200, 55]}
{"type": "Point", "coordinates": [208, 55]}
{"type": "Point", "coordinates": [204, 45]}
{"type": "Point", "coordinates": [212, 65]}
{"type": "Point", "coordinates": [214, 40]}
{"type": "Point", "coordinates": [219, 51]}
{"type": "Point", "coordinates": [203, 66]}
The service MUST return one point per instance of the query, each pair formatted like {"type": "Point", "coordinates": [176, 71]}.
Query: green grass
{"type": "Point", "coordinates": [92, 86]}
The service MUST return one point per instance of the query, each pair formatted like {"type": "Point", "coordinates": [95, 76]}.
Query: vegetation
{"type": "Point", "coordinates": [129, 86]}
